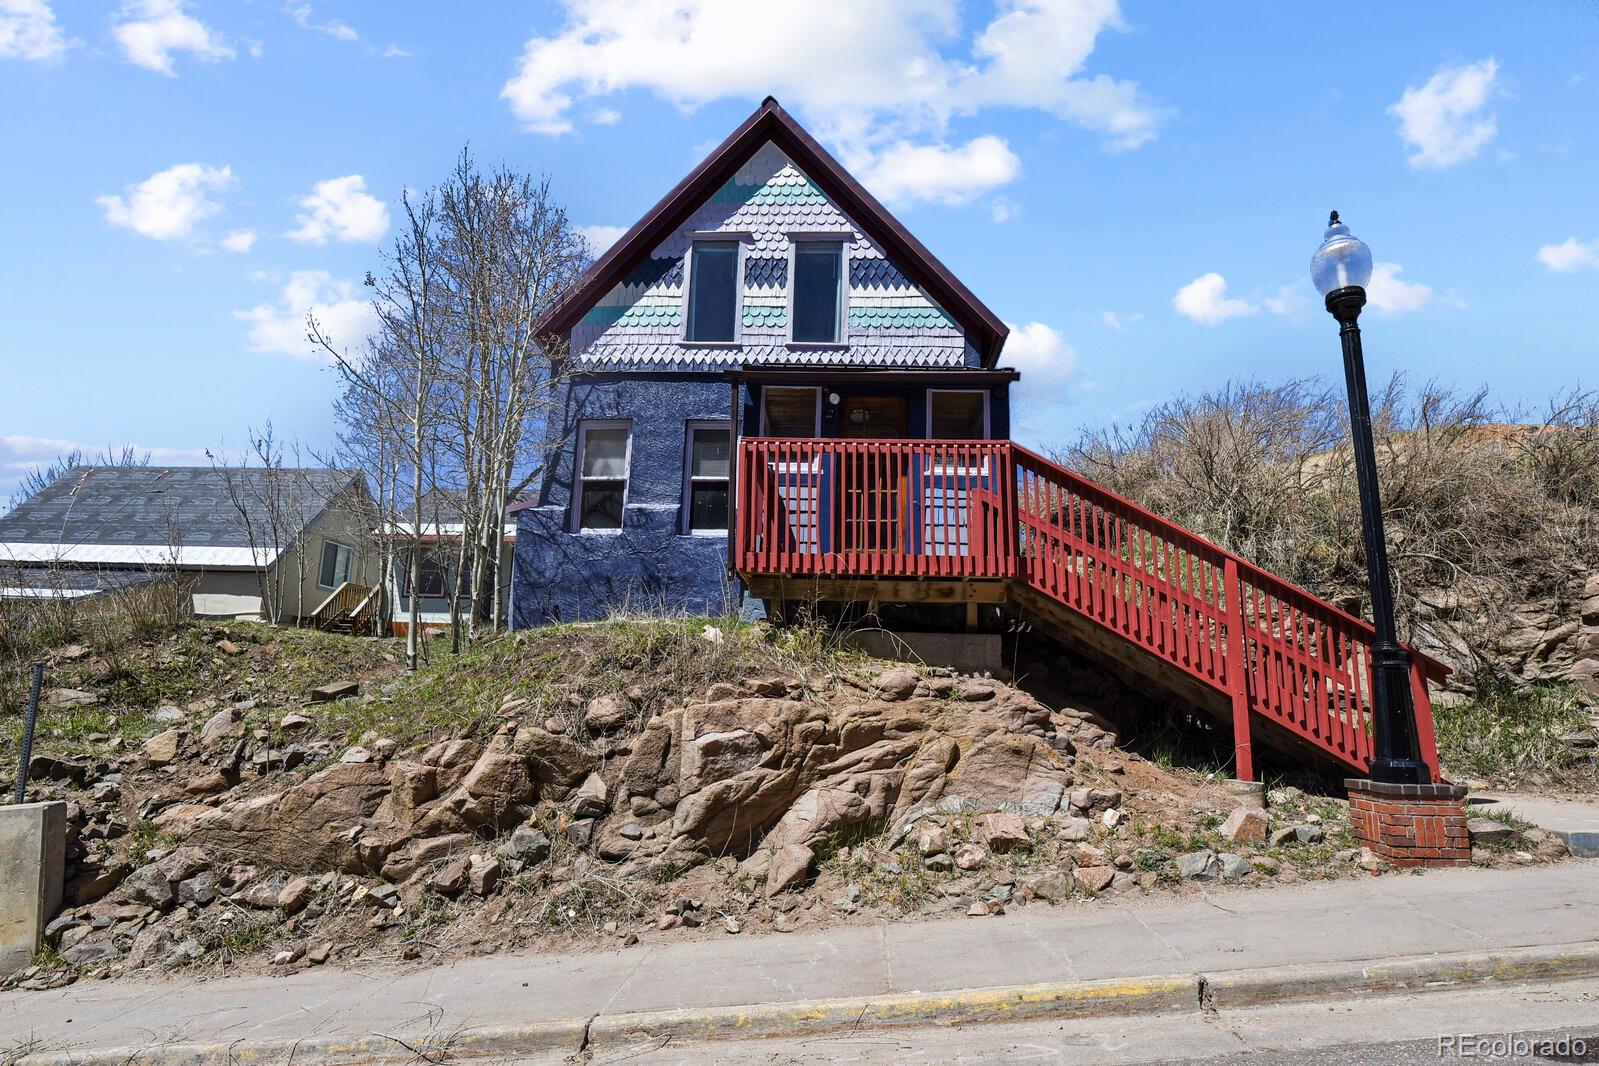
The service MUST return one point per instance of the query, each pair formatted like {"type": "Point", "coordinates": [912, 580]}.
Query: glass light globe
{"type": "Point", "coordinates": [1342, 260]}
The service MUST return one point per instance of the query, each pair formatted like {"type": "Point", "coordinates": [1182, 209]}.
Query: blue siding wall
{"type": "Point", "coordinates": [650, 565]}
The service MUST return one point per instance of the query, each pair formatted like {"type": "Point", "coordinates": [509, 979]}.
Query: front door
{"type": "Point", "coordinates": [873, 498]}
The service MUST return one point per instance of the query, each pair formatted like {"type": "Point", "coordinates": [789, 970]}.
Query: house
{"type": "Point", "coordinates": [247, 543]}
{"type": "Point", "coordinates": [442, 529]}
{"type": "Point", "coordinates": [778, 393]}
{"type": "Point", "coordinates": [770, 295]}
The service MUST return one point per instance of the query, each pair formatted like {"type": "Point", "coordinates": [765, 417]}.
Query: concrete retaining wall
{"type": "Point", "coordinates": [33, 855]}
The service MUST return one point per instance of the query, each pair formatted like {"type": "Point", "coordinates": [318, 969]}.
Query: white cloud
{"type": "Point", "coordinates": [151, 31]}
{"type": "Point", "coordinates": [28, 30]}
{"type": "Point", "coordinates": [1046, 361]}
{"type": "Point", "coordinates": [1112, 319]}
{"type": "Point", "coordinates": [880, 77]}
{"type": "Point", "coordinates": [169, 203]}
{"type": "Point", "coordinates": [1570, 254]}
{"type": "Point", "coordinates": [1387, 294]}
{"type": "Point", "coordinates": [905, 173]}
{"type": "Point", "coordinates": [600, 238]}
{"type": "Point", "coordinates": [32, 451]}
{"type": "Point", "coordinates": [1447, 120]}
{"type": "Point", "coordinates": [1205, 300]}
{"type": "Point", "coordinates": [394, 51]}
{"type": "Point", "coordinates": [342, 311]}
{"type": "Point", "coordinates": [1287, 300]}
{"type": "Point", "coordinates": [301, 13]}
{"type": "Point", "coordinates": [341, 208]}
{"type": "Point", "coordinates": [1003, 209]}
{"type": "Point", "coordinates": [240, 240]}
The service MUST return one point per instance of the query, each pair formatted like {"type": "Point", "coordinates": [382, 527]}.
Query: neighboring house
{"type": "Point", "coordinates": [305, 534]}
{"type": "Point", "coordinates": [767, 295]}
{"type": "Point", "coordinates": [441, 542]}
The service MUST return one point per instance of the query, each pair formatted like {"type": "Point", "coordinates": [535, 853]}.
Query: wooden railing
{"type": "Point", "coordinates": [871, 508]}
{"type": "Point", "coordinates": [993, 509]}
{"type": "Point", "coordinates": [351, 602]}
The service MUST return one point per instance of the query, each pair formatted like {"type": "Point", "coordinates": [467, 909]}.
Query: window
{"type": "Point", "coordinates": [957, 415]}
{"type": "Point", "coordinates": [706, 505]}
{"type": "Point", "coordinates": [602, 474]}
{"type": "Point", "coordinates": [790, 412]}
{"type": "Point", "coordinates": [713, 291]}
{"type": "Point", "coordinates": [431, 581]}
{"type": "Point", "coordinates": [336, 560]}
{"type": "Point", "coordinates": [818, 288]}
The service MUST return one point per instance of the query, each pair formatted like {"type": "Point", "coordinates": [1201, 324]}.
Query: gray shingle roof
{"type": "Point", "coordinates": [188, 505]}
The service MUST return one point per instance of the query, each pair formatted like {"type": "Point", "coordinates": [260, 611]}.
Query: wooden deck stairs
{"type": "Point", "coordinates": [992, 522]}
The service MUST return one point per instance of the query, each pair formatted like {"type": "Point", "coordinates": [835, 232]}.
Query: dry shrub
{"type": "Point", "coordinates": [1483, 507]}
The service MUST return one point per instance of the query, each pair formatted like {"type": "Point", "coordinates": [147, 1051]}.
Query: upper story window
{"type": "Point", "coordinates": [791, 412]}
{"type": "Point", "coordinates": [713, 292]}
{"type": "Point", "coordinates": [706, 505]}
{"type": "Point", "coordinates": [818, 292]}
{"type": "Point", "coordinates": [335, 568]}
{"type": "Point", "coordinates": [602, 458]}
{"type": "Point", "coordinates": [957, 414]}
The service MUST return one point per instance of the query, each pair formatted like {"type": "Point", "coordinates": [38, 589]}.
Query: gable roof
{"type": "Point", "coordinates": [771, 123]}
{"type": "Point", "coordinates": [137, 515]}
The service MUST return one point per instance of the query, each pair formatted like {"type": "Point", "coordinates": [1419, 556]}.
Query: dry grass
{"type": "Point", "coordinates": [1483, 506]}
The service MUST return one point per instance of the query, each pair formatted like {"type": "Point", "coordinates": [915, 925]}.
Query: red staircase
{"type": "Point", "coordinates": [1078, 560]}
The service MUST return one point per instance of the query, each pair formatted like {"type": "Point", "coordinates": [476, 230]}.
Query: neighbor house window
{"type": "Point", "coordinates": [431, 579]}
{"type": "Point", "coordinates": [818, 291]}
{"type": "Point", "coordinates": [602, 474]}
{"type": "Point", "coordinates": [790, 412]}
{"type": "Point", "coordinates": [708, 445]}
{"type": "Point", "coordinates": [336, 560]}
{"type": "Point", "coordinates": [957, 414]}
{"type": "Point", "coordinates": [713, 291]}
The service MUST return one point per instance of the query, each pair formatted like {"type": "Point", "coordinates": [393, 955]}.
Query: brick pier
{"type": "Point", "coordinates": [1411, 825]}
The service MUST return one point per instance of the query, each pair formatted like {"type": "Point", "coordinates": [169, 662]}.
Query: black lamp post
{"type": "Point", "coordinates": [1340, 269]}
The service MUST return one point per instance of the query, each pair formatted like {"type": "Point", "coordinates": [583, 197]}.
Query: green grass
{"type": "Point", "coordinates": [1509, 734]}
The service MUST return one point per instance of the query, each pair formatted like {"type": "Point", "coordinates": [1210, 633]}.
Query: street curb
{"type": "Point", "coordinates": [1078, 999]}
{"type": "Point", "coordinates": [1281, 984]}
{"type": "Point", "coordinates": [1219, 991]}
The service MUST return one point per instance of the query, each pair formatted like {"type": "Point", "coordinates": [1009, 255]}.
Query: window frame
{"type": "Point", "coordinates": [843, 239]}
{"type": "Point", "coordinates": [694, 425]}
{"type": "Point", "coordinates": [443, 567]}
{"type": "Point", "coordinates": [987, 402]}
{"type": "Point", "coordinates": [349, 568]}
{"type": "Point", "coordinates": [814, 390]}
{"type": "Point", "coordinates": [740, 242]}
{"type": "Point", "coordinates": [575, 520]}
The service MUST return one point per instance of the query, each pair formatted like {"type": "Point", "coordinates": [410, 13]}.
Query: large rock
{"type": "Point", "coordinates": [896, 683]}
{"type": "Point", "coordinates": [606, 714]}
{"type": "Point", "coordinates": [827, 809]}
{"type": "Point", "coordinates": [732, 815]}
{"type": "Point", "coordinates": [162, 749]}
{"type": "Point", "coordinates": [1004, 769]}
{"type": "Point", "coordinates": [311, 826]}
{"type": "Point", "coordinates": [557, 761]}
{"type": "Point", "coordinates": [1246, 825]}
{"type": "Point", "coordinates": [1199, 866]}
{"type": "Point", "coordinates": [788, 867]}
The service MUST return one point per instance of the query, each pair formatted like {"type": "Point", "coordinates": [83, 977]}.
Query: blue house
{"type": "Point", "coordinates": [767, 295]}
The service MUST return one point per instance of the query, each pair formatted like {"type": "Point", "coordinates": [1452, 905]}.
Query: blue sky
{"type": "Point", "coordinates": [1136, 188]}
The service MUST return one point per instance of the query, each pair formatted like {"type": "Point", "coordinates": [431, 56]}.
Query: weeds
{"type": "Point", "coordinates": [1512, 735]}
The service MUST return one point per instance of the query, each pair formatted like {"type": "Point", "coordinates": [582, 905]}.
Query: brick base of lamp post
{"type": "Point", "coordinates": [1410, 825]}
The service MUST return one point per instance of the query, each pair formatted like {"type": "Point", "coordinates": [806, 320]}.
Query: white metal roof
{"type": "Point", "coordinates": [188, 558]}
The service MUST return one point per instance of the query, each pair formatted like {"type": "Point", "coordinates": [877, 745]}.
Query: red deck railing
{"type": "Point", "coordinates": [994, 510]}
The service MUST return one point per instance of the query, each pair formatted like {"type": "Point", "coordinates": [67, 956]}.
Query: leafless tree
{"type": "Point", "coordinates": [40, 477]}
{"type": "Point", "coordinates": [272, 503]}
{"type": "Point", "coordinates": [456, 383]}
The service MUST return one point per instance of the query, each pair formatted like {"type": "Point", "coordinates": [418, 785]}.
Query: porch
{"type": "Point", "coordinates": [990, 522]}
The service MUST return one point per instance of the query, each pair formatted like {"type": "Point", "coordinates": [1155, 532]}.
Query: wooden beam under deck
{"type": "Point", "coordinates": [880, 590]}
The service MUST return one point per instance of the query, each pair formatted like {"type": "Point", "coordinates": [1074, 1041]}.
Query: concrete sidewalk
{"type": "Point", "coordinates": [1223, 930]}
{"type": "Point", "coordinates": [1575, 821]}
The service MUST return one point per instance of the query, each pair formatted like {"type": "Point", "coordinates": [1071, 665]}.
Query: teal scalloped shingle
{"type": "Point", "coordinates": [879, 317]}
{"type": "Point", "coordinates": [757, 315]}
{"type": "Point", "coordinates": [635, 315]}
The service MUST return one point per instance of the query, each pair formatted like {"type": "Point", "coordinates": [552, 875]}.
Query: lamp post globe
{"type": "Point", "coordinates": [1340, 270]}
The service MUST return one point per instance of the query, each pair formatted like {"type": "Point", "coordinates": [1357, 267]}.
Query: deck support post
{"type": "Point", "coordinates": [1238, 672]}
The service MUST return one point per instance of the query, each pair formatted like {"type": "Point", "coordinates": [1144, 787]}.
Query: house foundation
{"type": "Point", "coordinates": [1411, 825]}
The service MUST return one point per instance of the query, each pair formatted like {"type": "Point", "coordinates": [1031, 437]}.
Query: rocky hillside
{"type": "Point", "coordinates": [246, 796]}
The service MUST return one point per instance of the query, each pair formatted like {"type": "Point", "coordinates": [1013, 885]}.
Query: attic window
{"type": "Point", "coordinates": [713, 293]}
{"type": "Point", "coordinates": [818, 290]}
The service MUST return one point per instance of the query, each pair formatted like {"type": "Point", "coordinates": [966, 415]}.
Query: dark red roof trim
{"type": "Point", "coordinates": [770, 122]}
